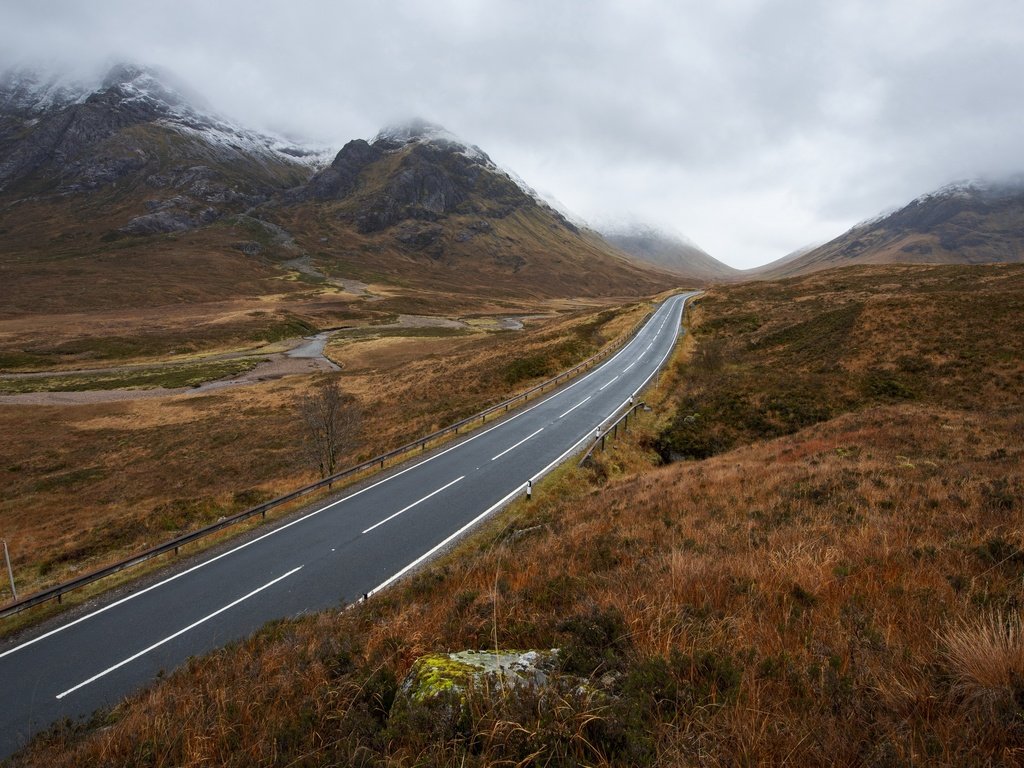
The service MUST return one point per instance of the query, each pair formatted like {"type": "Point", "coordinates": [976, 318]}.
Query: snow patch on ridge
{"type": "Point", "coordinates": [420, 131]}
{"type": "Point", "coordinates": [28, 92]}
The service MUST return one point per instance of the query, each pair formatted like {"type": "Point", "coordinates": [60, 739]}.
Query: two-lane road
{"type": "Point", "coordinates": [353, 545]}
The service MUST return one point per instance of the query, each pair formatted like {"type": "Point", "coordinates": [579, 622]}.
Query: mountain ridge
{"type": "Point", "coordinates": [966, 222]}
{"type": "Point", "coordinates": [133, 158]}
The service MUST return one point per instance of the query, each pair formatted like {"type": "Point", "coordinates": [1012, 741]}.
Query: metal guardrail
{"type": "Point", "coordinates": [611, 430]}
{"type": "Point", "coordinates": [56, 592]}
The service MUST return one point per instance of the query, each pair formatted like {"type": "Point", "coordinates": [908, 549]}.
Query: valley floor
{"type": "Point", "coordinates": [833, 578]}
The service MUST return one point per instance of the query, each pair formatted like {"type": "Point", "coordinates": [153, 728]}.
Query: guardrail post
{"type": "Point", "coordinates": [10, 572]}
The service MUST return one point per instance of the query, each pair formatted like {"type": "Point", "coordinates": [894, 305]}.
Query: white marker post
{"type": "Point", "coordinates": [529, 489]}
{"type": "Point", "coordinates": [10, 573]}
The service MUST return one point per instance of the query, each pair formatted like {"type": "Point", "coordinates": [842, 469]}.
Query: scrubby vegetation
{"type": "Point", "coordinates": [839, 586]}
{"type": "Point", "coordinates": [87, 484]}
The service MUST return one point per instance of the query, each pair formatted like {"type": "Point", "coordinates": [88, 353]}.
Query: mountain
{"type": "Point", "coordinates": [128, 191]}
{"type": "Point", "coordinates": [173, 163]}
{"type": "Point", "coordinates": [418, 203]}
{"type": "Point", "coordinates": [669, 252]}
{"type": "Point", "coordinates": [971, 222]}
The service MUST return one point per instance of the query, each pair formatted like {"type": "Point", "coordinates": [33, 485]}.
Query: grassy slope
{"type": "Point", "coordinates": [842, 593]}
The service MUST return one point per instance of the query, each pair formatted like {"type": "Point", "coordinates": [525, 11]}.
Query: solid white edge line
{"type": "Point", "coordinates": [581, 402]}
{"type": "Point", "coordinates": [477, 519]}
{"type": "Point", "coordinates": [426, 555]}
{"type": "Point", "coordinates": [609, 383]}
{"type": "Point", "coordinates": [512, 448]}
{"type": "Point", "coordinates": [179, 633]}
{"type": "Point", "coordinates": [324, 508]}
{"type": "Point", "coordinates": [671, 347]}
{"type": "Point", "coordinates": [406, 509]}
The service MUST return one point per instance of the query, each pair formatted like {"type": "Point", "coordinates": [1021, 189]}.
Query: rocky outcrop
{"type": "Point", "coordinates": [439, 674]}
{"type": "Point", "coordinates": [158, 223]}
{"type": "Point", "coordinates": [341, 176]}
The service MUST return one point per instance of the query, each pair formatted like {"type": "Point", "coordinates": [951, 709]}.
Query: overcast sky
{"type": "Point", "coordinates": [752, 127]}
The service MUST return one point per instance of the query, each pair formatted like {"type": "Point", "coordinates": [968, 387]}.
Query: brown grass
{"type": "Point", "coordinates": [847, 593]}
{"type": "Point", "coordinates": [86, 484]}
{"type": "Point", "coordinates": [986, 659]}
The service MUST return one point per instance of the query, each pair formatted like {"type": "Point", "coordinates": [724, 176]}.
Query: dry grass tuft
{"type": "Point", "coordinates": [986, 660]}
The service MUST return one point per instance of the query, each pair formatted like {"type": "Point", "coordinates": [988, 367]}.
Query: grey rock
{"type": "Point", "coordinates": [158, 223]}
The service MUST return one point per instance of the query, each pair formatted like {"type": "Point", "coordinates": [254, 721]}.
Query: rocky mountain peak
{"type": "Point", "coordinates": [418, 131]}
{"type": "Point", "coordinates": [27, 93]}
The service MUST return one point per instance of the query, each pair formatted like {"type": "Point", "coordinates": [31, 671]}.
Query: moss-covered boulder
{"type": "Point", "coordinates": [444, 674]}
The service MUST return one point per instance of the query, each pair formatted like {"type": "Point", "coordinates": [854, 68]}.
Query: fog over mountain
{"type": "Point", "coordinates": [754, 127]}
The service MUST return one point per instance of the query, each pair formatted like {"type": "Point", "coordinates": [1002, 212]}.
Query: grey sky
{"type": "Point", "coordinates": [753, 127]}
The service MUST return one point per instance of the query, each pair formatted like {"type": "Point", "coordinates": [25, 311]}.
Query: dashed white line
{"type": "Point", "coordinates": [406, 509]}
{"type": "Point", "coordinates": [581, 402]}
{"type": "Point", "coordinates": [518, 444]}
{"type": "Point", "coordinates": [179, 633]}
{"type": "Point", "coordinates": [631, 365]}
{"type": "Point", "coordinates": [608, 384]}
{"type": "Point", "coordinates": [309, 516]}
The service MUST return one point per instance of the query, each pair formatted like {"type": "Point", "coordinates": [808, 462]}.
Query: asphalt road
{"type": "Point", "coordinates": [350, 546]}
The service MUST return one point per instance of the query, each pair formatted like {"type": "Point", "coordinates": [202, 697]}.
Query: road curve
{"type": "Point", "coordinates": [352, 545]}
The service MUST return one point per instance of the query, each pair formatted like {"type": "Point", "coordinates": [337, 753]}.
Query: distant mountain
{"type": "Point", "coordinates": [965, 223]}
{"type": "Point", "coordinates": [669, 252]}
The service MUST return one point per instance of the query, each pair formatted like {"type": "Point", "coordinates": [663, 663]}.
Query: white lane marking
{"type": "Point", "coordinates": [316, 512]}
{"type": "Point", "coordinates": [668, 351]}
{"type": "Point", "coordinates": [649, 346]}
{"type": "Point", "coordinates": [631, 365]}
{"type": "Point", "coordinates": [581, 402]}
{"type": "Point", "coordinates": [641, 357]}
{"type": "Point", "coordinates": [498, 505]}
{"type": "Point", "coordinates": [179, 633]}
{"type": "Point", "coordinates": [601, 389]}
{"type": "Point", "coordinates": [277, 530]}
{"type": "Point", "coordinates": [517, 444]}
{"type": "Point", "coordinates": [406, 509]}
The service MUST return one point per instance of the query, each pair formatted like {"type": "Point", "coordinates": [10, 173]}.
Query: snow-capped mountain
{"type": "Point", "coordinates": [967, 222]}
{"type": "Point", "coordinates": [28, 93]}
{"type": "Point", "coordinates": [418, 131]}
{"type": "Point", "coordinates": [147, 94]}
{"type": "Point", "coordinates": [161, 158]}
{"type": "Point", "coordinates": [438, 174]}
{"type": "Point", "coordinates": [134, 156]}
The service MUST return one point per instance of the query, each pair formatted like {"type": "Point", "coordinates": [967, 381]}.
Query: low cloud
{"type": "Point", "coordinates": [753, 127]}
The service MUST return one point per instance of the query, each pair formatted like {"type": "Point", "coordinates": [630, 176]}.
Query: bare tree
{"type": "Point", "coordinates": [332, 420]}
